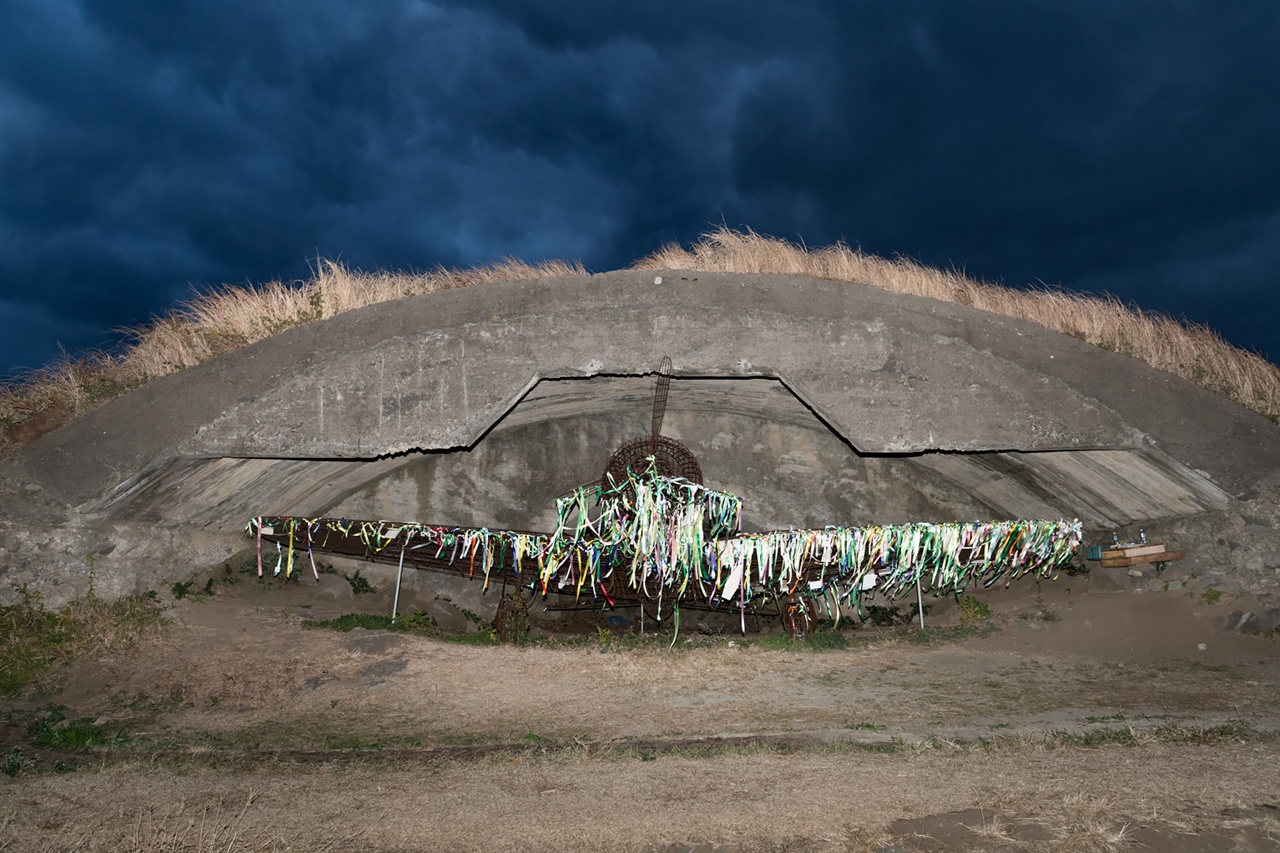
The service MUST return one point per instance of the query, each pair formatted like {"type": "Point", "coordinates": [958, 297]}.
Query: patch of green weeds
{"type": "Point", "coordinates": [487, 637]}
{"type": "Point", "coordinates": [822, 640]}
{"type": "Point", "coordinates": [359, 584]}
{"type": "Point", "coordinates": [423, 620]}
{"type": "Point", "coordinates": [35, 640]}
{"type": "Point", "coordinates": [883, 615]}
{"type": "Point", "coordinates": [1211, 596]}
{"type": "Point", "coordinates": [1204, 735]}
{"type": "Point", "coordinates": [53, 729]}
{"type": "Point", "coordinates": [1094, 737]}
{"type": "Point", "coordinates": [32, 639]}
{"type": "Point", "coordinates": [892, 745]}
{"type": "Point", "coordinates": [929, 636]}
{"type": "Point", "coordinates": [1167, 733]}
{"type": "Point", "coordinates": [350, 621]}
{"type": "Point", "coordinates": [17, 761]}
{"type": "Point", "coordinates": [972, 610]}
{"type": "Point", "coordinates": [470, 616]}
{"type": "Point", "coordinates": [1076, 569]}
{"type": "Point", "coordinates": [186, 590]}
{"type": "Point", "coordinates": [420, 624]}
{"type": "Point", "coordinates": [50, 728]}
{"type": "Point", "coordinates": [360, 742]}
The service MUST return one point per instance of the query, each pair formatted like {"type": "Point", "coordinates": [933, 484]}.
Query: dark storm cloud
{"type": "Point", "coordinates": [149, 146]}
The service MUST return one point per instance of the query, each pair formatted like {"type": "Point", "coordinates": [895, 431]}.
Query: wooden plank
{"type": "Point", "coordinates": [1132, 550]}
{"type": "Point", "coordinates": [1126, 562]}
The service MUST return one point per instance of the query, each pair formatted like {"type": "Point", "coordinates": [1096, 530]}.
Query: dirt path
{"type": "Point", "coordinates": [1106, 726]}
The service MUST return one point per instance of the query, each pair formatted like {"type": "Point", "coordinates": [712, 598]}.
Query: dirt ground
{"type": "Point", "coordinates": [1068, 720]}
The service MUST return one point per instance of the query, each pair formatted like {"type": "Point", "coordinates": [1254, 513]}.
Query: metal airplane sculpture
{"type": "Point", "coordinates": [650, 532]}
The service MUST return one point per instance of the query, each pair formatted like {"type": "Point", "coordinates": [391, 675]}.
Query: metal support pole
{"type": "Point", "coordinates": [920, 601]}
{"type": "Point", "coordinates": [395, 602]}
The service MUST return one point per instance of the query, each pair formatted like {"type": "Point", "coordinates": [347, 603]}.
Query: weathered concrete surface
{"type": "Point", "coordinates": [819, 402]}
{"type": "Point", "coordinates": [755, 438]}
{"type": "Point", "coordinates": [890, 373]}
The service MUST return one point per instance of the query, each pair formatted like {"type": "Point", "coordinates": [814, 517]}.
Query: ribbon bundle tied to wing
{"type": "Point", "coordinates": [661, 531]}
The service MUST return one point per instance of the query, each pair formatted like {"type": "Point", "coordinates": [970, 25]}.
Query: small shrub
{"type": "Point", "coordinates": [883, 615]}
{"type": "Point", "coordinates": [16, 761]}
{"type": "Point", "coordinates": [423, 620]}
{"type": "Point", "coordinates": [914, 614]}
{"type": "Point", "coordinates": [972, 609]}
{"type": "Point", "coordinates": [359, 584]}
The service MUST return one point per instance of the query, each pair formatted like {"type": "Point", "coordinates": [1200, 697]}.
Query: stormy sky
{"type": "Point", "coordinates": [148, 148]}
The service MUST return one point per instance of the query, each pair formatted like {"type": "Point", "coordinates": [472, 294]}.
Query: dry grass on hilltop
{"type": "Point", "coordinates": [232, 317]}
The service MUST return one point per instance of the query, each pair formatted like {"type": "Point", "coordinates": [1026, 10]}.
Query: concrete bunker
{"type": "Point", "coordinates": [817, 402]}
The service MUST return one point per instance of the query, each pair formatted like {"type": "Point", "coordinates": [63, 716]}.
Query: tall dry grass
{"type": "Point", "coordinates": [1194, 352]}
{"type": "Point", "coordinates": [231, 317]}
